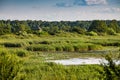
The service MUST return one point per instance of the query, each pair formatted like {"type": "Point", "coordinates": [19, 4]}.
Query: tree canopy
{"type": "Point", "coordinates": [54, 27]}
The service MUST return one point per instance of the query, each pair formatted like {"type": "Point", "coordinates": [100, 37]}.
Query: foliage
{"type": "Point", "coordinates": [55, 27]}
{"type": "Point", "coordinates": [92, 33]}
{"type": "Point", "coordinates": [111, 31]}
{"type": "Point", "coordinates": [52, 71]}
{"type": "Point", "coordinates": [98, 26]}
{"type": "Point", "coordinates": [8, 44]}
{"type": "Point", "coordinates": [114, 25]}
{"type": "Point", "coordinates": [112, 70]}
{"type": "Point", "coordinates": [40, 48]}
{"type": "Point", "coordinates": [21, 53]}
{"type": "Point", "coordinates": [10, 66]}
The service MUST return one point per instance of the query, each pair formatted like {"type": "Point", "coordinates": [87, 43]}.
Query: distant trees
{"type": "Point", "coordinates": [114, 25]}
{"type": "Point", "coordinates": [5, 28]}
{"type": "Point", "coordinates": [55, 27]}
{"type": "Point", "coordinates": [78, 30]}
{"type": "Point", "coordinates": [101, 27]}
{"type": "Point", "coordinates": [98, 26]}
{"type": "Point", "coordinates": [53, 30]}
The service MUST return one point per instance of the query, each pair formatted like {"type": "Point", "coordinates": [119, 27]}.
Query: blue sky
{"type": "Point", "coordinates": [57, 10]}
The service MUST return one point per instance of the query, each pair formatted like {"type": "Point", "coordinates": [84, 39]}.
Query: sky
{"type": "Point", "coordinates": [59, 10]}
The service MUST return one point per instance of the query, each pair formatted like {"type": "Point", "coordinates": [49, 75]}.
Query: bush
{"type": "Point", "coordinates": [59, 48]}
{"type": "Point", "coordinates": [110, 31]}
{"type": "Point", "coordinates": [21, 53]}
{"type": "Point", "coordinates": [10, 66]}
{"type": "Point", "coordinates": [40, 48]}
{"type": "Point", "coordinates": [8, 44]}
{"type": "Point", "coordinates": [68, 48]}
{"type": "Point", "coordinates": [94, 47]}
{"type": "Point", "coordinates": [80, 47]}
{"type": "Point", "coordinates": [111, 44]}
{"type": "Point", "coordinates": [45, 42]}
{"type": "Point", "coordinates": [92, 33]}
{"type": "Point", "coordinates": [112, 70]}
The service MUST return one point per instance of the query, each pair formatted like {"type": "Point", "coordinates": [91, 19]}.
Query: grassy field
{"type": "Point", "coordinates": [35, 50]}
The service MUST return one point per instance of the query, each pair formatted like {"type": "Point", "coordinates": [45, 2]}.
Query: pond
{"type": "Point", "coordinates": [81, 61]}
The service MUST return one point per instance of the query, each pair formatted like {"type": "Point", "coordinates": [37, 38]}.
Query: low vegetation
{"type": "Point", "coordinates": [10, 66]}
{"type": "Point", "coordinates": [26, 45]}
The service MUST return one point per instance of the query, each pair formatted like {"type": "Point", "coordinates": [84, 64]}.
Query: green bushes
{"type": "Point", "coordinates": [64, 47]}
{"type": "Point", "coordinates": [59, 48]}
{"type": "Point", "coordinates": [68, 48]}
{"type": "Point", "coordinates": [8, 44]}
{"type": "Point", "coordinates": [40, 48]}
{"type": "Point", "coordinates": [111, 44]}
{"type": "Point", "coordinates": [94, 47]}
{"type": "Point", "coordinates": [10, 66]}
{"type": "Point", "coordinates": [15, 44]}
{"type": "Point", "coordinates": [21, 53]}
{"type": "Point", "coordinates": [45, 42]}
{"type": "Point", "coordinates": [91, 33]}
{"type": "Point", "coordinates": [81, 47]}
{"type": "Point", "coordinates": [112, 70]}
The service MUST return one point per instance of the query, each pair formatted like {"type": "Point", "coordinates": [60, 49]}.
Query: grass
{"type": "Point", "coordinates": [51, 71]}
{"type": "Point", "coordinates": [34, 51]}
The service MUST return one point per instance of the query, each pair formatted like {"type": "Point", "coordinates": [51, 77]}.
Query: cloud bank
{"type": "Point", "coordinates": [82, 3]}
{"type": "Point", "coordinates": [96, 2]}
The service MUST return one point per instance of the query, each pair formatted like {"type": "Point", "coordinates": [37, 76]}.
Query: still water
{"type": "Point", "coordinates": [81, 61]}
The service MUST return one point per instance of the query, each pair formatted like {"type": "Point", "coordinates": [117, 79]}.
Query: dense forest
{"type": "Point", "coordinates": [95, 27]}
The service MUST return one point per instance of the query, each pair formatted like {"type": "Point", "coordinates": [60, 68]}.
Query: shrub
{"type": "Point", "coordinates": [94, 47]}
{"type": "Point", "coordinates": [110, 31]}
{"type": "Point", "coordinates": [80, 47]}
{"type": "Point", "coordinates": [21, 53]}
{"type": "Point", "coordinates": [10, 66]}
{"type": "Point", "coordinates": [112, 70]}
{"type": "Point", "coordinates": [111, 44]}
{"type": "Point", "coordinates": [59, 48]}
{"type": "Point", "coordinates": [68, 48]}
{"type": "Point", "coordinates": [40, 48]}
{"type": "Point", "coordinates": [8, 44]}
{"type": "Point", "coordinates": [92, 33]}
{"type": "Point", "coordinates": [45, 42]}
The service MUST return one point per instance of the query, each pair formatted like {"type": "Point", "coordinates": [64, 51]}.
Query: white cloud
{"type": "Point", "coordinates": [96, 2]}
{"type": "Point", "coordinates": [111, 9]}
{"type": "Point", "coordinates": [116, 9]}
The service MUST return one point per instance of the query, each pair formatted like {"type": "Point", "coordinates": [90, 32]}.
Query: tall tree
{"type": "Point", "coordinates": [114, 25]}
{"type": "Point", "coordinates": [98, 26]}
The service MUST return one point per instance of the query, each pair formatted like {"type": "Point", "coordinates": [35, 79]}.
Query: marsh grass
{"type": "Point", "coordinates": [10, 65]}
{"type": "Point", "coordinates": [35, 50]}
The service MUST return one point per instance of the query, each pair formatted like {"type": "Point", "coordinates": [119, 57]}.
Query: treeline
{"type": "Point", "coordinates": [95, 27]}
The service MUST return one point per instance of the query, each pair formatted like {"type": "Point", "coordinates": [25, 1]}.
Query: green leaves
{"type": "Point", "coordinates": [10, 66]}
{"type": "Point", "coordinates": [112, 70]}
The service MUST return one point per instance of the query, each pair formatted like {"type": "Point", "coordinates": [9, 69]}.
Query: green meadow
{"type": "Point", "coordinates": [27, 46]}
{"type": "Point", "coordinates": [30, 53]}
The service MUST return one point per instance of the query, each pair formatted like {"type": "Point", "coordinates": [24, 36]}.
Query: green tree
{"type": "Point", "coordinates": [98, 26]}
{"type": "Point", "coordinates": [5, 28]}
{"type": "Point", "coordinates": [114, 25]}
{"type": "Point", "coordinates": [112, 70]}
{"type": "Point", "coordinates": [53, 30]}
{"type": "Point", "coordinates": [78, 30]}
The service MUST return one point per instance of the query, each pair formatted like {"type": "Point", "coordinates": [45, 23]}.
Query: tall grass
{"type": "Point", "coordinates": [52, 71]}
{"type": "Point", "coordinates": [40, 48]}
{"type": "Point", "coordinates": [10, 66]}
{"type": "Point", "coordinates": [64, 47]}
